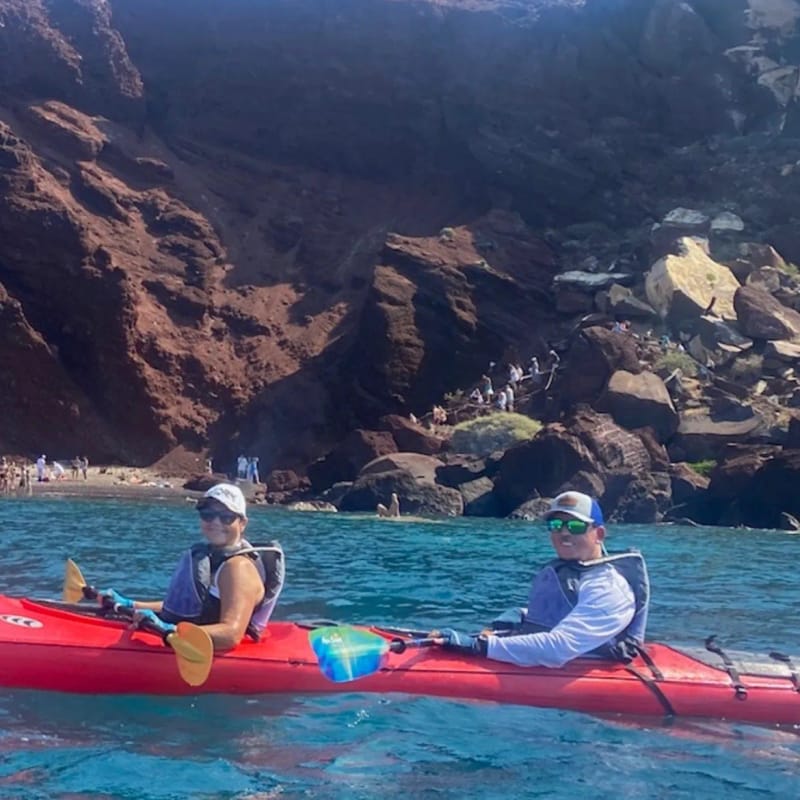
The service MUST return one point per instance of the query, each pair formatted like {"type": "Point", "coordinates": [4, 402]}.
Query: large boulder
{"type": "Point", "coordinates": [479, 499]}
{"type": "Point", "coordinates": [682, 287]}
{"type": "Point", "coordinates": [344, 462]}
{"type": "Point", "coordinates": [622, 303]}
{"type": "Point", "coordinates": [639, 400]}
{"type": "Point", "coordinates": [459, 468]}
{"type": "Point", "coordinates": [409, 436]}
{"type": "Point", "coordinates": [762, 316]}
{"type": "Point", "coordinates": [754, 486]}
{"type": "Point", "coordinates": [636, 497]}
{"type": "Point", "coordinates": [541, 466]}
{"type": "Point", "coordinates": [700, 436]}
{"type": "Point", "coordinates": [416, 496]}
{"type": "Point", "coordinates": [420, 467]}
{"type": "Point", "coordinates": [687, 484]}
{"type": "Point", "coordinates": [594, 355]}
{"type": "Point", "coordinates": [586, 443]}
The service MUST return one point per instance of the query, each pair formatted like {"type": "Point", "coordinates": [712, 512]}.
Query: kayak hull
{"type": "Point", "coordinates": [50, 648]}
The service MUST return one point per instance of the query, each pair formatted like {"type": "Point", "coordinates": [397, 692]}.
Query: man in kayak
{"type": "Point", "coordinates": [583, 602]}
{"type": "Point", "coordinates": [224, 583]}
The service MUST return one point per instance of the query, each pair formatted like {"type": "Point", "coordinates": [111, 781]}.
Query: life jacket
{"type": "Point", "coordinates": [193, 594]}
{"type": "Point", "coordinates": [554, 593]}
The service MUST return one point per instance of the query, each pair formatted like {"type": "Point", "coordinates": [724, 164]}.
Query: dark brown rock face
{"type": "Point", "coordinates": [409, 436]}
{"type": "Point", "coordinates": [590, 453]}
{"type": "Point", "coordinates": [593, 357]}
{"type": "Point", "coordinates": [754, 486]}
{"type": "Point", "coordinates": [440, 307]}
{"type": "Point", "coordinates": [638, 400]}
{"type": "Point", "coordinates": [204, 251]}
{"type": "Point", "coordinates": [686, 483]}
{"type": "Point", "coordinates": [761, 316]}
{"type": "Point", "coordinates": [344, 462]}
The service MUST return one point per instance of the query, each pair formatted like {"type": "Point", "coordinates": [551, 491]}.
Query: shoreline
{"type": "Point", "coordinates": [111, 482]}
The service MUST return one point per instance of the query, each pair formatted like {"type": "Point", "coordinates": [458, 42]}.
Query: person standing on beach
{"type": "Point", "coordinates": [85, 467]}
{"type": "Point", "coordinates": [241, 467]}
{"type": "Point", "coordinates": [223, 583]}
{"type": "Point", "coordinates": [41, 467]}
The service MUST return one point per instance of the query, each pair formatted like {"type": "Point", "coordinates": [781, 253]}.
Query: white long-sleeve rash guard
{"type": "Point", "coordinates": [604, 608]}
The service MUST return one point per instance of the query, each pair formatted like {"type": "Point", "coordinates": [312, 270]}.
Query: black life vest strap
{"type": "Point", "coordinates": [648, 659]}
{"type": "Point", "coordinates": [739, 688]}
{"type": "Point", "coordinates": [784, 659]}
{"type": "Point", "coordinates": [652, 684]}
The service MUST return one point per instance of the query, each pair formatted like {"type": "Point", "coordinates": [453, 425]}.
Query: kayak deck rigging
{"type": "Point", "coordinates": [74, 648]}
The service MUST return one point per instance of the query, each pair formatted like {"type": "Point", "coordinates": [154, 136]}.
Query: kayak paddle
{"type": "Point", "coordinates": [193, 647]}
{"type": "Point", "coordinates": [347, 654]}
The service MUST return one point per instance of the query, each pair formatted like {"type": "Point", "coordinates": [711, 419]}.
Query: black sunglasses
{"type": "Point", "coordinates": [225, 517]}
{"type": "Point", "coordinates": [577, 527]}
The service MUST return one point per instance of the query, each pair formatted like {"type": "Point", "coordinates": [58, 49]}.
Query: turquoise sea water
{"type": "Point", "coordinates": [742, 585]}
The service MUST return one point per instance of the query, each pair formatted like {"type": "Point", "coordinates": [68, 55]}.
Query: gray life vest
{"type": "Point", "coordinates": [193, 595]}
{"type": "Point", "coordinates": [554, 593]}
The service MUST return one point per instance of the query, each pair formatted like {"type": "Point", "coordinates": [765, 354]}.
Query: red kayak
{"type": "Point", "coordinates": [48, 645]}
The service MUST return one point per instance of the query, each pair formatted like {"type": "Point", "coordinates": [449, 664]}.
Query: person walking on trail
{"type": "Point", "coordinates": [584, 601]}
{"type": "Point", "coordinates": [224, 583]}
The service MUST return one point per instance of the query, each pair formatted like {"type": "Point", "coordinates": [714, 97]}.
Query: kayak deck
{"type": "Point", "coordinates": [43, 646]}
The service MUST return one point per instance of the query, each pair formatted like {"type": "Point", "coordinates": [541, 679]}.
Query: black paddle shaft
{"type": "Point", "coordinates": [401, 645]}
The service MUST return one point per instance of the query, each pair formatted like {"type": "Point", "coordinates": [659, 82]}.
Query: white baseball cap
{"type": "Point", "coordinates": [229, 495]}
{"type": "Point", "coordinates": [577, 505]}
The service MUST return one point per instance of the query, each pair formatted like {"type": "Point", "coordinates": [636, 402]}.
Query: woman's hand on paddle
{"type": "Point", "coordinates": [148, 619]}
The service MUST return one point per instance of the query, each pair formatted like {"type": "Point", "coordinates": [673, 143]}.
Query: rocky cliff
{"type": "Point", "coordinates": [260, 225]}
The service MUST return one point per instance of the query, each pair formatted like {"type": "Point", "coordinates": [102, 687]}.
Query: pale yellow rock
{"type": "Point", "coordinates": [682, 286]}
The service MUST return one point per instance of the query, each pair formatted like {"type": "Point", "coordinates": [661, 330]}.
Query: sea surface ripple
{"type": "Point", "coordinates": [740, 584]}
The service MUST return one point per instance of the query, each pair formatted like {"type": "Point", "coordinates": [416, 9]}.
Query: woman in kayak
{"type": "Point", "coordinates": [583, 602]}
{"type": "Point", "coordinates": [224, 583]}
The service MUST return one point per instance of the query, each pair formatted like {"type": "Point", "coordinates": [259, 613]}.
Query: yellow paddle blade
{"type": "Point", "coordinates": [194, 651]}
{"type": "Point", "coordinates": [74, 583]}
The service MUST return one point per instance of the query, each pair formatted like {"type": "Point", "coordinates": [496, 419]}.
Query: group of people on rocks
{"type": "Point", "coordinates": [247, 468]}
{"type": "Point", "coordinates": [505, 398]}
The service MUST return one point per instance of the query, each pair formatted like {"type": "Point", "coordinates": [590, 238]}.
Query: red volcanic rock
{"type": "Point", "coordinates": [204, 260]}
{"type": "Point", "coordinates": [284, 480]}
{"type": "Point", "coordinates": [69, 50]}
{"type": "Point", "coordinates": [440, 307]}
{"type": "Point", "coordinates": [409, 436]}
